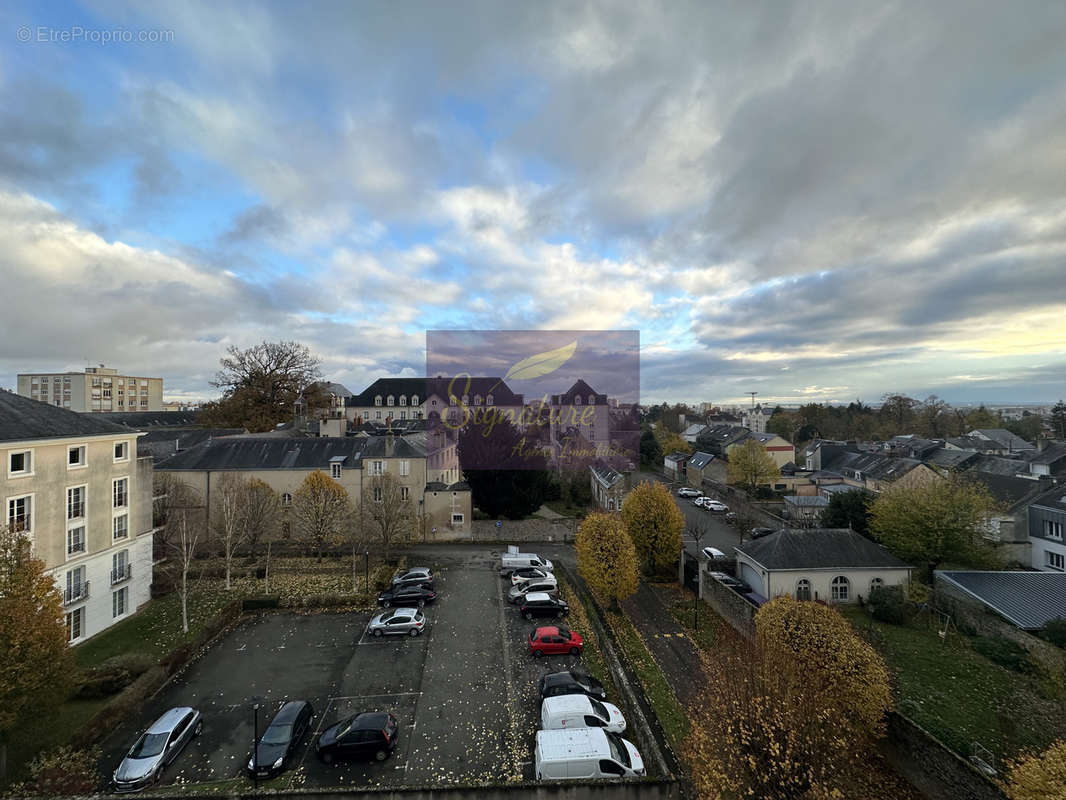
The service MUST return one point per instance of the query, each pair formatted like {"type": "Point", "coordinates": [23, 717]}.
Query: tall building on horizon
{"type": "Point", "coordinates": [97, 390]}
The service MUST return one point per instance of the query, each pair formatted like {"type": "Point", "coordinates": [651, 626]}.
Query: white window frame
{"type": "Point", "coordinates": [125, 452]}
{"type": "Point", "coordinates": [458, 518]}
{"type": "Point", "coordinates": [835, 594]}
{"type": "Point", "coordinates": [1052, 530]}
{"type": "Point", "coordinates": [377, 494]}
{"type": "Point", "coordinates": [335, 470]}
{"type": "Point", "coordinates": [84, 456]}
{"type": "Point", "coordinates": [403, 400]}
{"type": "Point", "coordinates": [126, 494]}
{"type": "Point", "coordinates": [114, 527]}
{"type": "Point", "coordinates": [79, 614]}
{"type": "Point", "coordinates": [30, 510]}
{"type": "Point", "coordinates": [377, 400]}
{"type": "Point", "coordinates": [286, 499]}
{"type": "Point", "coordinates": [377, 415]}
{"type": "Point", "coordinates": [23, 473]}
{"type": "Point", "coordinates": [877, 583]}
{"type": "Point", "coordinates": [1053, 560]}
{"type": "Point", "coordinates": [84, 487]}
{"type": "Point", "coordinates": [120, 597]}
{"type": "Point", "coordinates": [804, 583]}
{"type": "Point", "coordinates": [414, 399]}
{"type": "Point", "coordinates": [84, 544]}
{"type": "Point", "coordinates": [390, 400]}
{"type": "Point", "coordinates": [405, 493]}
{"type": "Point", "coordinates": [377, 467]}
{"type": "Point", "coordinates": [405, 468]}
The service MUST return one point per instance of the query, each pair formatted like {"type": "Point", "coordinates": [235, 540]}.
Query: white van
{"type": "Point", "coordinates": [584, 753]}
{"type": "Point", "coordinates": [579, 711]}
{"type": "Point", "coordinates": [512, 561]}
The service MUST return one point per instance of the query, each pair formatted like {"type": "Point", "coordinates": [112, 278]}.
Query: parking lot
{"type": "Point", "coordinates": [464, 692]}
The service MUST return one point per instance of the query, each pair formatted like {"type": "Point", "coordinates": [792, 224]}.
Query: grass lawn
{"type": "Point", "coordinates": [565, 508]}
{"type": "Point", "coordinates": [700, 626]}
{"type": "Point", "coordinates": [592, 654]}
{"type": "Point", "coordinates": [960, 696]}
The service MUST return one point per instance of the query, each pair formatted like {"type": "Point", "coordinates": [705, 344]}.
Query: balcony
{"type": "Point", "coordinates": [76, 593]}
{"type": "Point", "coordinates": [121, 574]}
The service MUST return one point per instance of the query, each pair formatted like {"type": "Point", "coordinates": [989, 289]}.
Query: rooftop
{"type": "Point", "coordinates": [1023, 598]}
{"type": "Point", "coordinates": [248, 453]}
{"type": "Point", "coordinates": [23, 419]}
{"type": "Point", "coordinates": [699, 460]}
{"type": "Point", "coordinates": [819, 548]}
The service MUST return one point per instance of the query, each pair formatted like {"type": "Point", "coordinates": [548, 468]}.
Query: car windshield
{"type": "Point", "coordinates": [151, 744]}
{"type": "Point", "coordinates": [599, 708]}
{"type": "Point", "coordinates": [277, 734]}
{"type": "Point", "coordinates": [618, 749]}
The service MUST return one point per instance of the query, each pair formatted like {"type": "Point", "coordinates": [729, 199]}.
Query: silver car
{"type": "Point", "coordinates": [398, 620]}
{"type": "Point", "coordinates": [518, 593]}
{"type": "Point", "coordinates": [156, 748]}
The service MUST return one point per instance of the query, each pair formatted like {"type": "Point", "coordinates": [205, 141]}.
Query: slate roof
{"type": "Point", "coordinates": [693, 429]}
{"type": "Point", "coordinates": [336, 389]}
{"type": "Point", "coordinates": [387, 386]}
{"type": "Point", "coordinates": [250, 453]}
{"type": "Point", "coordinates": [818, 548]}
{"type": "Point", "coordinates": [1053, 499]}
{"type": "Point", "coordinates": [1007, 489]}
{"type": "Point", "coordinates": [973, 443]}
{"type": "Point", "coordinates": [1005, 439]}
{"type": "Point", "coordinates": [1052, 453]}
{"type": "Point", "coordinates": [876, 466]}
{"type": "Point", "coordinates": [22, 418]}
{"type": "Point", "coordinates": [677, 455]}
{"type": "Point", "coordinates": [147, 420]}
{"type": "Point", "coordinates": [160, 444]}
{"type": "Point", "coordinates": [394, 447]}
{"type": "Point", "coordinates": [947, 458]}
{"type": "Point", "coordinates": [763, 438]}
{"type": "Point", "coordinates": [1026, 599]}
{"type": "Point", "coordinates": [699, 460]}
{"type": "Point", "coordinates": [606, 475]}
{"type": "Point", "coordinates": [999, 465]}
{"type": "Point", "coordinates": [500, 391]}
{"type": "Point", "coordinates": [579, 389]}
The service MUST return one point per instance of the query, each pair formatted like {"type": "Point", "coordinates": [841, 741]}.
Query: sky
{"type": "Point", "coordinates": [813, 201]}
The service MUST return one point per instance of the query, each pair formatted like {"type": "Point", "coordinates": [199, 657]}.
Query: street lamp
{"type": "Point", "coordinates": [256, 701]}
{"type": "Point", "coordinates": [366, 566]}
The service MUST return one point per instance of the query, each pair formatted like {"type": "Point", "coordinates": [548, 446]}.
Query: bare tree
{"type": "Point", "coordinates": [388, 510]}
{"type": "Point", "coordinates": [320, 511]}
{"type": "Point", "coordinates": [228, 519]}
{"type": "Point", "coordinates": [262, 514]}
{"type": "Point", "coordinates": [185, 530]}
{"type": "Point", "coordinates": [357, 533]}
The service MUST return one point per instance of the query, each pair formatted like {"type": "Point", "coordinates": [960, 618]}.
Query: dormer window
{"type": "Point", "coordinates": [488, 400]}
{"type": "Point", "coordinates": [477, 399]}
{"type": "Point", "coordinates": [391, 401]}
{"type": "Point", "coordinates": [466, 399]}
{"type": "Point", "coordinates": [377, 400]}
{"type": "Point", "coordinates": [414, 399]}
{"type": "Point", "coordinates": [403, 399]}
{"type": "Point", "coordinates": [592, 399]}
{"type": "Point", "coordinates": [577, 399]}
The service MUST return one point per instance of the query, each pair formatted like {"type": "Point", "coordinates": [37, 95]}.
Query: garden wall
{"type": "Point", "coordinates": [525, 530]}
{"type": "Point", "coordinates": [731, 607]}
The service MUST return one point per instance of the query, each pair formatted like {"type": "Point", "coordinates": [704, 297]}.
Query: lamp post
{"type": "Point", "coordinates": [366, 576]}
{"type": "Point", "coordinates": [255, 742]}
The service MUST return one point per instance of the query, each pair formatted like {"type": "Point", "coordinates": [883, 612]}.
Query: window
{"type": "Point", "coordinates": [20, 463]}
{"type": "Point", "coordinates": [592, 399]}
{"type": "Point", "coordinates": [377, 415]}
{"type": "Point", "coordinates": [1052, 529]}
{"type": "Point", "coordinates": [403, 399]}
{"type": "Point", "coordinates": [458, 519]}
{"type": "Point", "coordinates": [335, 470]}
{"type": "Point", "coordinates": [803, 589]}
{"type": "Point", "coordinates": [488, 400]}
{"type": "Point", "coordinates": [77, 586]}
{"type": "Point", "coordinates": [404, 493]}
{"type": "Point", "coordinates": [577, 400]}
{"type": "Point", "coordinates": [74, 624]}
{"type": "Point", "coordinates": [286, 499]}
{"type": "Point", "coordinates": [76, 502]}
{"type": "Point", "coordinates": [839, 589]}
{"type": "Point", "coordinates": [403, 415]}
{"type": "Point", "coordinates": [377, 468]}
{"type": "Point", "coordinates": [433, 403]}
{"type": "Point", "coordinates": [120, 566]}
{"type": "Point", "coordinates": [414, 400]}
{"type": "Point", "coordinates": [477, 399]}
{"type": "Point", "coordinates": [20, 513]}
{"type": "Point", "coordinates": [377, 400]}
{"type": "Point", "coordinates": [608, 767]}
{"type": "Point", "coordinates": [876, 583]}
{"type": "Point", "coordinates": [120, 527]}
{"type": "Point", "coordinates": [107, 393]}
{"type": "Point", "coordinates": [405, 468]}
{"type": "Point", "coordinates": [1055, 560]}
{"type": "Point", "coordinates": [118, 602]}
{"type": "Point", "coordinates": [122, 451]}
{"type": "Point", "coordinates": [76, 456]}
{"type": "Point", "coordinates": [466, 399]}
{"type": "Point", "coordinates": [120, 493]}
{"type": "Point", "coordinates": [390, 401]}
{"type": "Point", "coordinates": [76, 540]}
{"type": "Point", "coordinates": [377, 494]}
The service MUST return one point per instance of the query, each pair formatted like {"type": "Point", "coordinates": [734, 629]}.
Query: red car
{"type": "Point", "coordinates": [553, 640]}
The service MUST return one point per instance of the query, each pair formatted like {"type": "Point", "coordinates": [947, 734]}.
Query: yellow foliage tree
{"type": "Point", "coordinates": [1038, 776]}
{"type": "Point", "coordinates": [321, 511]}
{"type": "Point", "coordinates": [750, 466]}
{"type": "Point", "coordinates": [654, 523]}
{"type": "Point", "coordinates": [606, 558]}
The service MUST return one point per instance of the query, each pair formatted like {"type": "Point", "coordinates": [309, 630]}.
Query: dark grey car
{"type": "Point", "coordinates": [157, 747]}
{"type": "Point", "coordinates": [281, 738]}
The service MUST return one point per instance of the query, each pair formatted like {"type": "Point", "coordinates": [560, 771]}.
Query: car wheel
{"type": "Point", "coordinates": [415, 631]}
{"type": "Point", "coordinates": [386, 603]}
{"type": "Point", "coordinates": [381, 755]}
{"type": "Point", "coordinates": [198, 729]}
{"type": "Point", "coordinates": [575, 651]}
{"type": "Point", "coordinates": [378, 632]}
{"type": "Point", "coordinates": [527, 615]}
{"type": "Point", "coordinates": [538, 653]}
{"type": "Point", "coordinates": [327, 758]}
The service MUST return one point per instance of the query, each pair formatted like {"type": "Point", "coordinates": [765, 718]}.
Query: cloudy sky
{"type": "Point", "coordinates": [828, 201]}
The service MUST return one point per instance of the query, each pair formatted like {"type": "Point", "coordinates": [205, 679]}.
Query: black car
{"type": "Point", "coordinates": [369, 735]}
{"type": "Point", "coordinates": [406, 596]}
{"type": "Point", "coordinates": [415, 576]}
{"type": "Point", "coordinates": [758, 533]}
{"type": "Point", "coordinates": [542, 604]}
{"type": "Point", "coordinates": [282, 736]}
{"type": "Point", "coordinates": [573, 682]}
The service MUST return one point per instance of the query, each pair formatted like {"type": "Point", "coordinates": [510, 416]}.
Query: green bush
{"type": "Point", "coordinates": [61, 772]}
{"type": "Point", "coordinates": [1004, 652]}
{"type": "Point", "coordinates": [261, 601]}
{"type": "Point", "coordinates": [381, 577]}
{"type": "Point", "coordinates": [113, 675]}
{"type": "Point", "coordinates": [1055, 631]}
{"type": "Point", "coordinates": [887, 604]}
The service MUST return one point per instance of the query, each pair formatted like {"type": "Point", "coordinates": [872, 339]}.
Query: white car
{"type": "Point", "coordinates": [689, 492]}
{"type": "Point", "coordinates": [520, 576]}
{"type": "Point", "coordinates": [715, 505]}
{"type": "Point", "coordinates": [713, 553]}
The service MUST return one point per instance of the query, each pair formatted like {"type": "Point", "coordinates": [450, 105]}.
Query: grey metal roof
{"type": "Point", "coordinates": [606, 475]}
{"type": "Point", "coordinates": [699, 460]}
{"type": "Point", "coordinates": [818, 548]}
{"type": "Point", "coordinates": [1054, 499]}
{"type": "Point", "coordinates": [1005, 439]}
{"type": "Point", "coordinates": [22, 418]}
{"type": "Point", "coordinates": [1026, 599]}
{"type": "Point", "coordinates": [948, 458]}
{"type": "Point", "coordinates": [148, 420]}
{"type": "Point", "coordinates": [1052, 453]}
{"type": "Point", "coordinates": [677, 455]}
{"type": "Point", "coordinates": [250, 453]}
{"type": "Point", "coordinates": [807, 501]}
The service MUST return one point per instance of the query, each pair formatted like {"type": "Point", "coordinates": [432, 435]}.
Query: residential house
{"type": "Point", "coordinates": [834, 565]}
{"type": "Point", "coordinates": [946, 459]}
{"type": "Point", "coordinates": [583, 412]}
{"type": "Point", "coordinates": [609, 486]}
{"type": "Point", "coordinates": [1046, 519]}
{"type": "Point", "coordinates": [96, 390]}
{"type": "Point", "coordinates": [876, 472]}
{"type": "Point", "coordinates": [781, 450]}
{"type": "Point", "coordinates": [674, 464]}
{"type": "Point", "coordinates": [1051, 460]}
{"type": "Point", "coordinates": [76, 486]}
{"type": "Point", "coordinates": [817, 455]}
{"type": "Point", "coordinates": [703, 465]}
{"type": "Point", "coordinates": [691, 433]}
{"type": "Point", "coordinates": [1027, 600]}
{"type": "Point", "coordinates": [755, 419]}
{"type": "Point", "coordinates": [1007, 443]}
{"type": "Point", "coordinates": [718, 439]}
{"type": "Point", "coordinates": [805, 510]}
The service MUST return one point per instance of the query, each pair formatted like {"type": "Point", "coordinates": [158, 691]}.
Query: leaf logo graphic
{"type": "Point", "coordinates": [541, 363]}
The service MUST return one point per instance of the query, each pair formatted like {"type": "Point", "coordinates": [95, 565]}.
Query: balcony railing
{"type": "Point", "coordinates": [76, 593]}
{"type": "Point", "coordinates": [121, 574]}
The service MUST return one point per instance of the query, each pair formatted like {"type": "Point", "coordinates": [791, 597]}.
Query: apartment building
{"type": "Point", "coordinates": [98, 389]}
{"type": "Point", "coordinates": [74, 484]}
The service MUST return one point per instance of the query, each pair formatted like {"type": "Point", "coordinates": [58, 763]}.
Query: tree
{"type": "Point", "coordinates": [606, 558]}
{"type": "Point", "coordinates": [848, 510]}
{"type": "Point", "coordinates": [897, 414]}
{"type": "Point", "coordinates": [942, 521]}
{"type": "Point", "coordinates": [63, 772]}
{"type": "Point", "coordinates": [783, 424]}
{"type": "Point", "coordinates": [388, 511]}
{"type": "Point", "coordinates": [981, 418]}
{"type": "Point", "coordinates": [750, 466]}
{"type": "Point", "coordinates": [670, 442]}
{"type": "Point", "coordinates": [1030, 427]}
{"type": "Point", "coordinates": [505, 470]}
{"type": "Point", "coordinates": [651, 453]}
{"type": "Point", "coordinates": [654, 523]}
{"type": "Point", "coordinates": [1038, 776]}
{"type": "Point", "coordinates": [320, 511]}
{"type": "Point", "coordinates": [1058, 420]}
{"type": "Point", "coordinates": [261, 513]}
{"type": "Point", "coordinates": [262, 384]}
{"type": "Point", "coordinates": [36, 662]}
{"type": "Point", "coordinates": [185, 530]}
{"type": "Point", "coordinates": [228, 517]}
{"type": "Point", "coordinates": [934, 416]}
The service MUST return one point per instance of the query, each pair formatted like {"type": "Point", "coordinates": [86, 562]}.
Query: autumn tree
{"type": "Point", "coordinates": [750, 466]}
{"type": "Point", "coordinates": [184, 535]}
{"type": "Point", "coordinates": [63, 772]}
{"type": "Point", "coordinates": [896, 414]}
{"type": "Point", "coordinates": [607, 558]}
{"type": "Point", "coordinates": [387, 511]}
{"type": "Point", "coordinates": [654, 523]}
{"type": "Point", "coordinates": [934, 418]}
{"type": "Point", "coordinates": [669, 441]}
{"type": "Point", "coordinates": [36, 661]}
{"type": "Point", "coordinates": [1038, 776]}
{"type": "Point", "coordinates": [942, 521]}
{"type": "Point", "coordinates": [261, 513]}
{"type": "Point", "coordinates": [848, 510]}
{"type": "Point", "coordinates": [228, 521]}
{"type": "Point", "coordinates": [320, 511]}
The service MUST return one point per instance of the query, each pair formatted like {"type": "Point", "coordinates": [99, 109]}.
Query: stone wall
{"type": "Point", "coordinates": [730, 606]}
{"type": "Point", "coordinates": [525, 530]}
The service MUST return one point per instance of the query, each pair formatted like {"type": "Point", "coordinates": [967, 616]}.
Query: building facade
{"type": "Point", "coordinates": [1047, 524]}
{"type": "Point", "coordinates": [75, 485]}
{"type": "Point", "coordinates": [98, 389]}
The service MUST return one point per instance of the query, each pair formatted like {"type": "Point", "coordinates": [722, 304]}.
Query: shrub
{"type": "Point", "coordinates": [1055, 631]}
{"type": "Point", "coordinates": [113, 675]}
{"type": "Point", "coordinates": [887, 604]}
{"type": "Point", "coordinates": [60, 772]}
{"type": "Point", "coordinates": [381, 577]}
{"type": "Point", "coordinates": [261, 601]}
{"type": "Point", "coordinates": [1004, 652]}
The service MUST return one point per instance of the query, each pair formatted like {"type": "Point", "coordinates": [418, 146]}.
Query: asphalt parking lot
{"type": "Point", "coordinates": [464, 692]}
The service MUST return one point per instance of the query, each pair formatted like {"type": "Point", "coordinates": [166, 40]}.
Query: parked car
{"type": "Point", "coordinates": [406, 596]}
{"type": "Point", "coordinates": [575, 681]}
{"type": "Point", "coordinates": [715, 505]}
{"type": "Point", "coordinates": [686, 491]}
{"type": "Point", "coordinates": [282, 736]}
{"type": "Point", "coordinates": [699, 501]}
{"type": "Point", "coordinates": [512, 561]}
{"type": "Point", "coordinates": [553, 640]}
{"type": "Point", "coordinates": [584, 753]}
{"type": "Point", "coordinates": [580, 711]}
{"type": "Point", "coordinates": [540, 604]}
{"type": "Point", "coordinates": [713, 553]}
{"type": "Point", "coordinates": [520, 576]}
{"type": "Point", "coordinates": [399, 620]}
{"type": "Point", "coordinates": [731, 582]}
{"type": "Point", "coordinates": [758, 533]}
{"type": "Point", "coordinates": [519, 592]}
{"type": "Point", "coordinates": [157, 747]}
{"type": "Point", "coordinates": [371, 734]}
{"type": "Point", "coordinates": [415, 576]}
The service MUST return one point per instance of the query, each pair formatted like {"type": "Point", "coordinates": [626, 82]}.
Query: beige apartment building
{"type": "Point", "coordinates": [74, 484]}
{"type": "Point", "coordinates": [98, 389]}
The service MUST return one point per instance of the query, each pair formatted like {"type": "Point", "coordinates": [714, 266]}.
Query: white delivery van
{"type": "Point", "coordinates": [512, 561]}
{"type": "Point", "coordinates": [585, 753]}
{"type": "Point", "coordinates": [579, 711]}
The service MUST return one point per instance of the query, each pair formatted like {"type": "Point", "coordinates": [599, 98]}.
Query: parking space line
{"type": "Point", "coordinates": [512, 700]}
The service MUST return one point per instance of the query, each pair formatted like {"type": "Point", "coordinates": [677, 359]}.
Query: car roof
{"type": "Point", "coordinates": [537, 597]}
{"type": "Point", "coordinates": [550, 630]}
{"type": "Point", "coordinates": [167, 722]}
{"type": "Point", "coordinates": [567, 702]}
{"type": "Point", "coordinates": [558, 679]}
{"type": "Point", "coordinates": [570, 743]}
{"type": "Point", "coordinates": [399, 611]}
{"type": "Point", "coordinates": [415, 571]}
{"type": "Point", "coordinates": [288, 712]}
{"type": "Point", "coordinates": [370, 720]}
